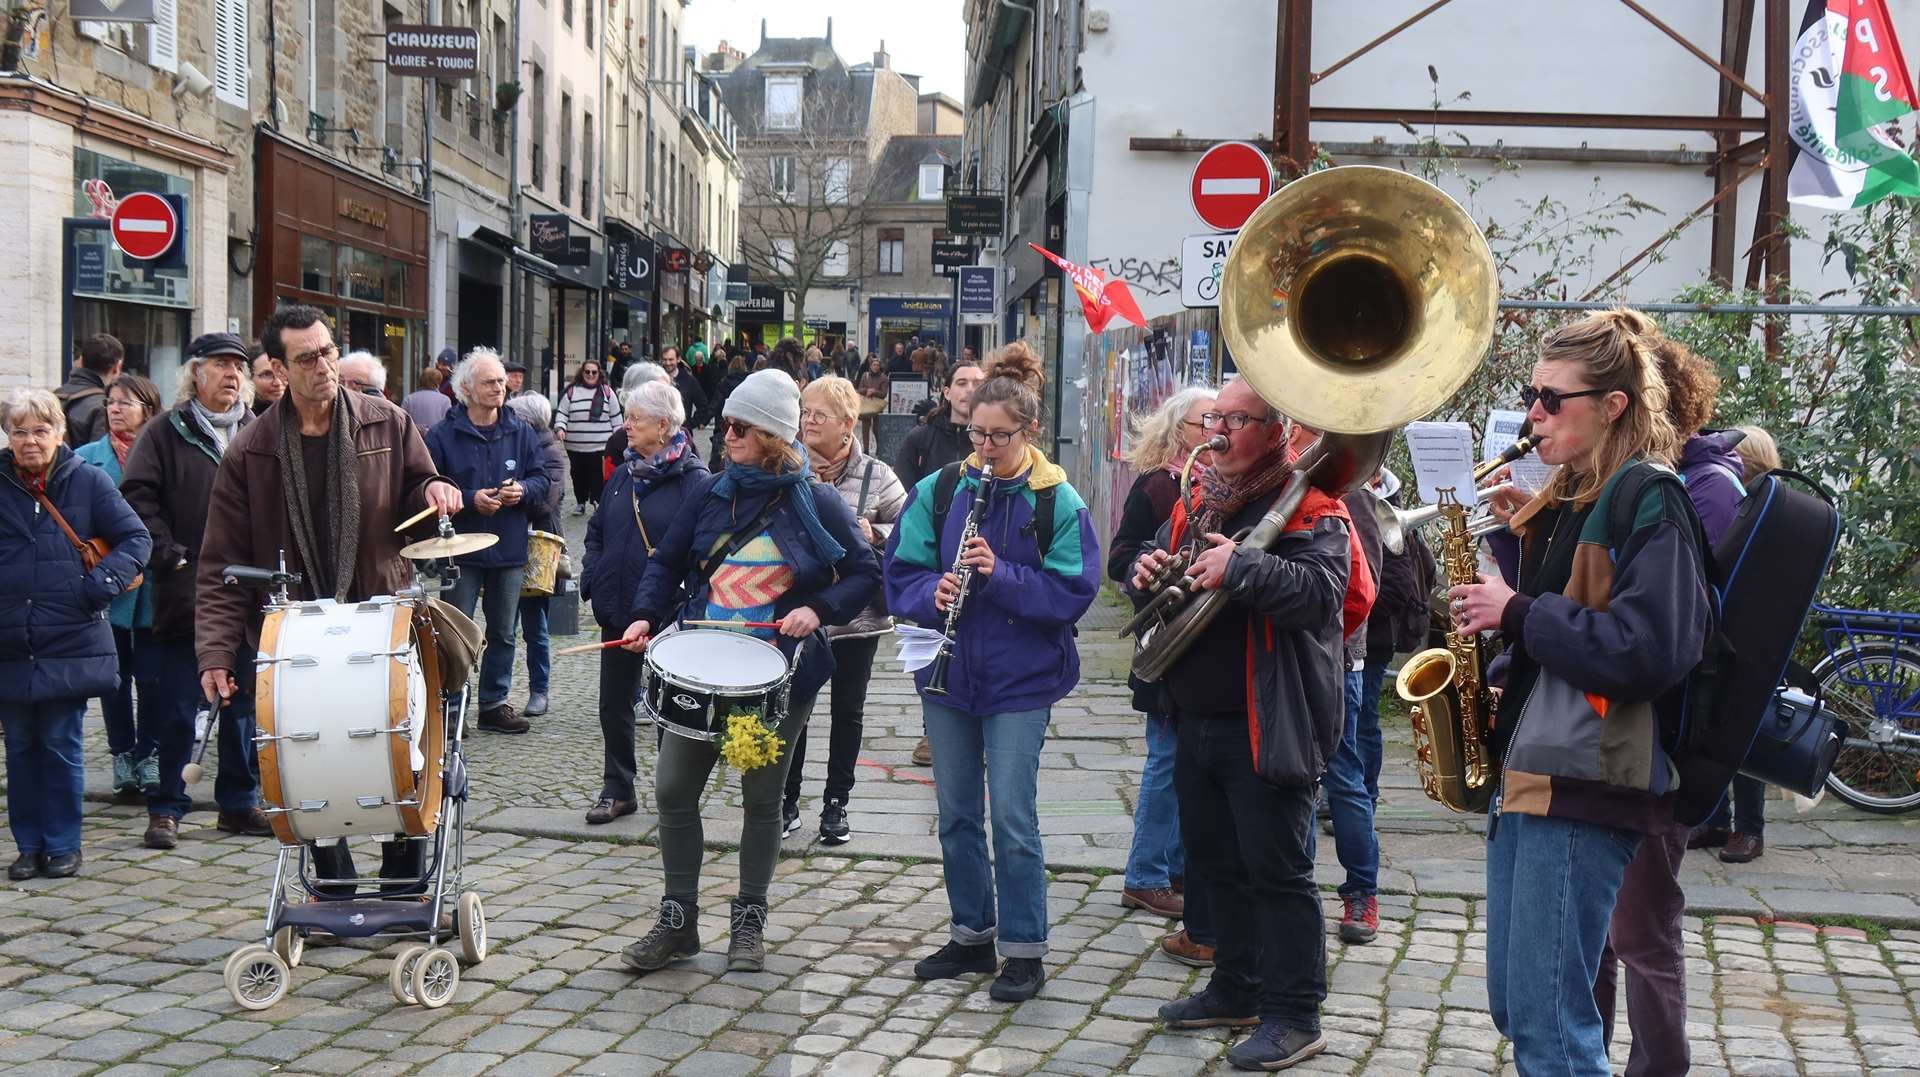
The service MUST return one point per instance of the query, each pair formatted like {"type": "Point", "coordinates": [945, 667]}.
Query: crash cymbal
{"type": "Point", "coordinates": [451, 546]}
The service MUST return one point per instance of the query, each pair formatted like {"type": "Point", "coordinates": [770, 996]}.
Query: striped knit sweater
{"type": "Point", "coordinates": [574, 421]}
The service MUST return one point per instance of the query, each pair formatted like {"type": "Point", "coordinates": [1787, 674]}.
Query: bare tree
{"type": "Point", "coordinates": [804, 197]}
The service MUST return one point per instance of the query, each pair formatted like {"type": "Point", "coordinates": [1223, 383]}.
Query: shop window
{"type": "Point", "coordinates": [316, 265]}
{"type": "Point", "coordinates": [893, 250]}
{"type": "Point", "coordinates": [362, 275]}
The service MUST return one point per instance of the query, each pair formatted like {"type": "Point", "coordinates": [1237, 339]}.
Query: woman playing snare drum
{"type": "Point", "coordinates": [803, 564]}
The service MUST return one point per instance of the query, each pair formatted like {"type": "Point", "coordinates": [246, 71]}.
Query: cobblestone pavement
{"type": "Point", "coordinates": [1805, 962]}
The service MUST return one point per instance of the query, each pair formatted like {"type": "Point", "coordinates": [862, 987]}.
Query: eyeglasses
{"type": "Point", "coordinates": [309, 360]}
{"type": "Point", "coordinates": [1197, 424]}
{"type": "Point", "coordinates": [998, 437]}
{"type": "Point", "coordinates": [808, 415]}
{"type": "Point", "coordinates": [734, 428]}
{"type": "Point", "coordinates": [1551, 399]}
{"type": "Point", "coordinates": [1237, 420]}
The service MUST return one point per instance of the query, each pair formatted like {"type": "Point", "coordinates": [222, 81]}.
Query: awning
{"type": "Point", "coordinates": [481, 232]}
{"type": "Point", "coordinates": [529, 260]}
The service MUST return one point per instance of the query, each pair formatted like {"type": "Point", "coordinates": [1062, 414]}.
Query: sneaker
{"type": "Point", "coordinates": [1743, 848]}
{"type": "Point", "coordinates": [955, 959]}
{"type": "Point", "coordinates": [163, 832]}
{"type": "Point", "coordinates": [580, 509]}
{"type": "Point", "coordinates": [789, 820]}
{"type": "Point", "coordinates": [126, 782]}
{"type": "Point", "coordinates": [502, 719]}
{"type": "Point", "coordinates": [536, 704]}
{"type": "Point", "coordinates": [252, 822]}
{"type": "Point", "coordinates": [146, 773]}
{"type": "Point", "coordinates": [834, 829]}
{"type": "Point", "coordinates": [1274, 1046]}
{"type": "Point", "coordinates": [1019, 980]}
{"type": "Point", "coordinates": [747, 948]}
{"type": "Point", "coordinates": [1208, 1009]}
{"type": "Point", "coordinates": [1360, 918]}
{"type": "Point", "coordinates": [1180, 947]}
{"type": "Point", "coordinates": [923, 754]}
{"type": "Point", "coordinates": [1160, 900]}
{"type": "Point", "coordinates": [675, 935]}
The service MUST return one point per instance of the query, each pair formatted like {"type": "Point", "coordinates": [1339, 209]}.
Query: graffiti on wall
{"type": "Point", "coordinates": [1156, 276]}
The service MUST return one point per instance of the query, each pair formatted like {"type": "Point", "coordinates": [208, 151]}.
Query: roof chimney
{"type": "Point", "coordinates": [763, 31]}
{"type": "Point", "coordinates": [829, 31]}
{"type": "Point", "coordinates": [881, 61]}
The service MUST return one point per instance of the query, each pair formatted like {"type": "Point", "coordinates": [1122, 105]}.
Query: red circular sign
{"type": "Point", "coordinates": [144, 226]}
{"type": "Point", "coordinates": [1229, 183]}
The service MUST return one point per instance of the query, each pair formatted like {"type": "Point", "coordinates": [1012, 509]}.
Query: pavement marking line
{"type": "Point", "coordinates": [895, 772]}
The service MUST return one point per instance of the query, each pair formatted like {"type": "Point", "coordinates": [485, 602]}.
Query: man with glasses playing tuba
{"type": "Point", "coordinates": [1257, 703]}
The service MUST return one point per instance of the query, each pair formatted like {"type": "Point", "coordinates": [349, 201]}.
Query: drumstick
{"type": "Point", "coordinates": [731, 624]}
{"type": "Point", "coordinates": [586, 647]}
{"type": "Point", "coordinates": [417, 517]}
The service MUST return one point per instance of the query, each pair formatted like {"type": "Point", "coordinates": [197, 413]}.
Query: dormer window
{"type": "Point", "coordinates": [783, 103]}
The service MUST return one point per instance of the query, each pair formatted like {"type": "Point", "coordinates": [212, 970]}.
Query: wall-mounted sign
{"type": "Point", "coordinates": [434, 52]}
{"type": "Point", "coordinates": [975, 214]}
{"type": "Point", "coordinates": [630, 260]}
{"type": "Point", "coordinates": [111, 10]}
{"type": "Point", "coordinates": [951, 254]}
{"type": "Point", "coordinates": [551, 236]}
{"type": "Point", "coordinates": [764, 303]}
{"type": "Point", "coordinates": [675, 260]}
{"type": "Point", "coordinates": [978, 302]}
{"type": "Point", "coordinates": [371, 216]}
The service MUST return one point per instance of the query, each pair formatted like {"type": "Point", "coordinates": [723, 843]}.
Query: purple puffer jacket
{"type": "Point", "coordinates": [1713, 474]}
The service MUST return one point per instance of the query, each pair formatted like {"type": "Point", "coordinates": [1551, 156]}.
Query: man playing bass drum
{"type": "Point", "coordinates": [1257, 700]}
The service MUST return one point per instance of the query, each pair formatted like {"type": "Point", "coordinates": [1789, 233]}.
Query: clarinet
{"type": "Point", "coordinates": [937, 680]}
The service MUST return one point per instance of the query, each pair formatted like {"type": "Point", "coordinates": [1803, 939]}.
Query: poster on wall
{"type": "Point", "coordinates": [1200, 358]}
{"type": "Point", "coordinates": [906, 391]}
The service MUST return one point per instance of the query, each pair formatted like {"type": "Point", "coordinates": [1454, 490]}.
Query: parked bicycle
{"type": "Point", "coordinates": [1870, 679]}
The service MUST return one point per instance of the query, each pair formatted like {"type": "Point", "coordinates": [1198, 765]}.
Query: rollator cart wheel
{"type": "Point", "coordinates": [401, 978]}
{"type": "Point", "coordinates": [289, 944]}
{"type": "Point", "coordinates": [237, 956]}
{"type": "Point", "coordinates": [435, 978]}
{"type": "Point", "coordinates": [259, 980]}
{"type": "Point", "coordinates": [471, 918]}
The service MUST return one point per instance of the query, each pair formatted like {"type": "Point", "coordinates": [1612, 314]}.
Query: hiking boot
{"type": "Point", "coordinates": [126, 782]}
{"type": "Point", "coordinates": [251, 822]}
{"type": "Point", "coordinates": [1708, 837]}
{"type": "Point", "coordinates": [1160, 900]}
{"type": "Point", "coordinates": [789, 820]}
{"type": "Point", "coordinates": [163, 832]}
{"type": "Point", "coordinates": [1208, 1009]}
{"type": "Point", "coordinates": [1360, 918]}
{"type": "Point", "coordinates": [146, 774]}
{"type": "Point", "coordinates": [1274, 1046]}
{"type": "Point", "coordinates": [834, 828]}
{"type": "Point", "coordinates": [675, 935]}
{"type": "Point", "coordinates": [1743, 848]}
{"type": "Point", "coordinates": [1019, 980]}
{"type": "Point", "coordinates": [1180, 947]}
{"type": "Point", "coordinates": [536, 704]}
{"type": "Point", "coordinates": [955, 959]}
{"type": "Point", "coordinates": [747, 948]}
{"type": "Point", "coordinates": [610, 809]}
{"type": "Point", "coordinates": [502, 719]}
{"type": "Point", "coordinates": [923, 754]}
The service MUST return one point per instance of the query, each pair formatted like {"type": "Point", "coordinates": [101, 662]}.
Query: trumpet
{"type": "Point", "coordinates": [1395, 523]}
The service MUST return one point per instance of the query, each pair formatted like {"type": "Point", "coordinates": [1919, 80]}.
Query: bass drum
{"type": "Point", "coordinates": [352, 730]}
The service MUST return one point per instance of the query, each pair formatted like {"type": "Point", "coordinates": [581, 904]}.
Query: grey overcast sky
{"type": "Point", "coordinates": [925, 37]}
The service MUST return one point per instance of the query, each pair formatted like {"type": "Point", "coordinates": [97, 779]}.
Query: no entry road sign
{"type": "Point", "coordinates": [1229, 183]}
{"type": "Point", "coordinates": [145, 226]}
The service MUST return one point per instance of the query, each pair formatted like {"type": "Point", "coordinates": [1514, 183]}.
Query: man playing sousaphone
{"type": "Point", "coordinates": [323, 476]}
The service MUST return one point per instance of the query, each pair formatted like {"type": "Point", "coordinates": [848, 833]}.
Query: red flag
{"type": "Point", "coordinates": [1100, 298]}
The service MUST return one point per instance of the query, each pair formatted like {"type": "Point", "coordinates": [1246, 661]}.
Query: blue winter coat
{"type": "Point", "coordinates": [55, 642]}
{"type": "Point", "coordinates": [135, 609]}
{"type": "Point", "coordinates": [616, 551]}
{"type": "Point", "coordinates": [836, 592]}
{"type": "Point", "coordinates": [476, 462]}
{"type": "Point", "coordinates": [1014, 648]}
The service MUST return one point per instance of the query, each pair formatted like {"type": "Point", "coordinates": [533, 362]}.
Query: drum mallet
{"type": "Point", "coordinates": [202, 733]}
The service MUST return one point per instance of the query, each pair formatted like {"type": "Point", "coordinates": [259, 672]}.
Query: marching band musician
{"type": "Point", "coordinates": [787, 551]}
{"type": "Point", "coordinates": [1033, 568]}
{"type": "Point", "coordinates": [1600, 630]}
{"type": "Point", "coordinates": [1257, 700]}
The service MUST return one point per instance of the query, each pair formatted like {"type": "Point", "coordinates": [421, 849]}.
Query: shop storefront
{"type": "Point", "coordinates": [147, 306]}
{"type": "Point", "coordinates": [677, 324]}
{"type": "Point", "coordinates": [915, 321]}
{"type": "Point", "coordinates": [348, 244]}
{"type": "Point", "coordinates": [630, 286]}
{"type": "Point", "coordinates": [761, 318]}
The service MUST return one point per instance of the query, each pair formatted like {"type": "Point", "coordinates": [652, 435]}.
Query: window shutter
{"type": "Point", "coordinates": [230, 58]}
{"type": "Point", "coordinates": [163, 36]}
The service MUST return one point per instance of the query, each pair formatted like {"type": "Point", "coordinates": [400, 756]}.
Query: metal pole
{"type": "Point", "coordinates": [436, 269]}
{"type": "Point", "coordinates": [516, 324]}
{"type": "Point", "coordinates": [1776, 309]}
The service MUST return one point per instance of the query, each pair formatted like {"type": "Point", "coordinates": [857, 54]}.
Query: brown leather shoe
{"type": "Point", "coordinates": [163, 832]}
{"type": "Point", "coordinates": [1181, 947]}
{"type": "Point", "coordinates": [610, 809]}
{"type": "Point", "coordinates": [1161, 901]}
{"type": "Point", "coordinates": [923, 754]}
{"type": "Point", "coordinates": [1707, 837]}
{"type": "Point", "coordinates": [1743, 848]}
{"type": "Point", "coordinates": [252, 822]}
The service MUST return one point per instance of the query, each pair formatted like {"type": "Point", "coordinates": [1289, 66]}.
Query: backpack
{"type": "Point", "coordinates": [949, 481]}
{"type": "Point", "coordinates": [1763, 575]}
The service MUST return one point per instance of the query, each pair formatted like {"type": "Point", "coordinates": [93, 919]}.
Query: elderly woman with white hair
{"type": "Point", "coordinates": [56, 648]}
{"type": "Point", "coordinates": [362, 372]}
{"type": "Point", "coordinates": [657, 472]}
{"type": "Point", "coordinates": [545, 516]}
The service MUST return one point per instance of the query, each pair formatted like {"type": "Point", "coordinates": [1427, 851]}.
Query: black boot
{"type": "Point", "coordinates": [675, 935]}
{"type": "Point", "coordinates": [333, 862]}
{"type": "Point", "coordinates": [403, 858]}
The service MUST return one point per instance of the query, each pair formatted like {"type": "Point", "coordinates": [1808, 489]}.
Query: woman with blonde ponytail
{"type": "Point", "coordinates": [1610, 613]}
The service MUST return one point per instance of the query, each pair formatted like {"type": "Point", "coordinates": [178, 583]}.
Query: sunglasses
{"type": "Point", "coordinates": [734, 428]}
{"type": "Point", "coordinates": [1551, 399]}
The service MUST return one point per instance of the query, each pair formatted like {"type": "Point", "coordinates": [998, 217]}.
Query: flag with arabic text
{"type": "Point", "coordinates": [1850, 90]}
{"type": "Point", "coordinates": [1100, 298]}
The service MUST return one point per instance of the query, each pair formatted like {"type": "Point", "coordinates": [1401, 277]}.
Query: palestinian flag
{"type": "Point", "coordinates": [1850, 88]}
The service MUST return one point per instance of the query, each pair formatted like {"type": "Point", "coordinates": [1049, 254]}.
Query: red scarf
{"type": "Point", "coordinates": [121, 447]}
{"type": "Point", "coordinates": [36, 482]}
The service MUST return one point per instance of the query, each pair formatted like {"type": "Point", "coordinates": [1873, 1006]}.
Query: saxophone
{"type": "Point", "coordinates": [1443, 684]}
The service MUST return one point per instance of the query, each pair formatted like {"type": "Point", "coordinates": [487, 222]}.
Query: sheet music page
{"type": "Point", "coordinates": [1503, 429]}
{"type": "Point", "coordinates": [1442, 456]}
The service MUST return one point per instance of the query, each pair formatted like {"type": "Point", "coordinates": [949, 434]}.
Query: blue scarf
{"type": "Point", "coordinates": [647, 470]}
{"type": "Point", "coordinates": [756, 480]}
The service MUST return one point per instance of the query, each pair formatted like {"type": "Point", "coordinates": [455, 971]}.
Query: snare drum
{"type": "Point", "coordinates": [696, 677]}
{"type": "Point", "coordinates": [351, 727]}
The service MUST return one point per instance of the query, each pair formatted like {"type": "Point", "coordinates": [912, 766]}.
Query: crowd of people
{"type": "Point", "coordinates": [119, 510]}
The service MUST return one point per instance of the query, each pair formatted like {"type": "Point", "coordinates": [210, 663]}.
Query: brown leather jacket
{"type": "Point", "coordinates": [247, 521]}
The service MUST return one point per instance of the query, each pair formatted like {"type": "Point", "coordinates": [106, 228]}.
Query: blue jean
{"type": "Point", "coordinates": [1551, 885]}
{"type": "Point", "coordinates": [972, 754]}
{"type": "Point", "coordinates": [44, 774]}
{"type": "Point", "coordinates": [116, 707]}
{"type": "Point", "coordinates": [170, 697]}
{"type": "Point", "coordinates": [1366, 735]}
{"type": "Point", "coordinates": [1745, 810]}
{"type": "Point", "coordinates": [533, 628]}
{"type": "Point", "coordinates": [1352, 806]}
{"type": "Point", "coordinates": [502, 608]}
{"type": "Point", "coordinates": [1156, 855]}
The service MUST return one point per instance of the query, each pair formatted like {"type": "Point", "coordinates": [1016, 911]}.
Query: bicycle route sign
{"type": "Point", "coordinates": [1203, 258]}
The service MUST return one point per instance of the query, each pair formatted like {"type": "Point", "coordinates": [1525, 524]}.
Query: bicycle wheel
{"type": "Point", "coordinates": [1871, 688]}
